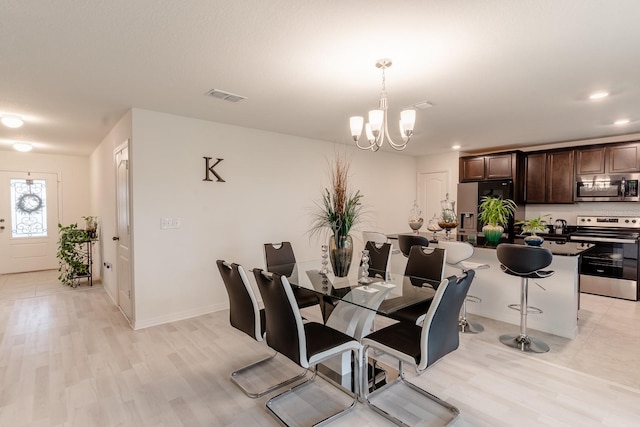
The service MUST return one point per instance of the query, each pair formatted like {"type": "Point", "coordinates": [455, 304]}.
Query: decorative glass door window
{"type": "Point", "coordinates": [28, 208]}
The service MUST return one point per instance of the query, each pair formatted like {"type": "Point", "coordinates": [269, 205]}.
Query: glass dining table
{"type": "Point", "coordinates": [351, 302]}
{"type": "Point", "coordinates": [399, 291]}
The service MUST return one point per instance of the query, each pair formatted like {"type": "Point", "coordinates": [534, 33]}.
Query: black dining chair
{"type": "Point", "coordinates": [379, 258]}
{"type": "Point", "coordinates": [246, 316]}
{"type": "Point", "coordinates": [423, 263]}
{"type": "Point", "coordinates": [406, 241]}
{"type": "Point", "coordinates": [279, 258]}
{"type": "Point", "coordinates": [421, 346]}
{"type": "Point", "coordinates": [306, 344]}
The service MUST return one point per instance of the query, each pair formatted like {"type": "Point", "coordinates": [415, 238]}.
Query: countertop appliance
{"type": "Point", "coordinates": [610, 268]}
{"type": "Point", "coordinates": [607, 188]}
{"type": "Point", "coordinates": [560, 226]}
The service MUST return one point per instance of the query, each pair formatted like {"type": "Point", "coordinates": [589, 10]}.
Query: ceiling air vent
{"type": "Point", "coordinates": [225, 96]}
{"type": "Point", "coordinates": [423, 105]}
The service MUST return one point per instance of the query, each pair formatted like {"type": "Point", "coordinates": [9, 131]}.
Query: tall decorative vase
{"type": "Point", "coordinates": [340, 254]}
{"type": "Point", "coordinates": [492, 234]}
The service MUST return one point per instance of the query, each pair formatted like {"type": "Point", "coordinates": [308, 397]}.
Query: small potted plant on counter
{"type": "Point", "coordinates": [494, 214]}
{"type": "Point", "coordinates": [533, 226]}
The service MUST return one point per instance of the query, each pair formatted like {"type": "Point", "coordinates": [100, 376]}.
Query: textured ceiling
{"type": "Point", "coordinates": [499, 73]}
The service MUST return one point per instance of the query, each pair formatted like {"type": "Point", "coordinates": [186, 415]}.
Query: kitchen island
{"type": "Point", "coordinates": [558, 300]}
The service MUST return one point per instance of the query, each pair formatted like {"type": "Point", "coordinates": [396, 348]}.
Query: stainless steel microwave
{"type": "Point", "coordinates": [607, 188]}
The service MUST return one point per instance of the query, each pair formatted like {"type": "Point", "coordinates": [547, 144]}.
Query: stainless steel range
{"type": "Point", "coordinates": [610, 268]}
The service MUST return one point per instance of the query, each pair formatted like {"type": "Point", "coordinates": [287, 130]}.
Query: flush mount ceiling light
{"type": "Point", "coordinates": [621, 122]}
{"type": "Point", "coordinates": [377, 130]}
{"type": "Point", "coordinates": [11, 121]}
{"type": "Point", "coordinates": [21, 146]}
{"type": "Point", "coordinates": [598, 95]}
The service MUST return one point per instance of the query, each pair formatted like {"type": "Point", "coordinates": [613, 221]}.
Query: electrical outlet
{"type": "Point", "coordinates": [164, 223]}
{"type": "Point", "coordinates": [167, 223]}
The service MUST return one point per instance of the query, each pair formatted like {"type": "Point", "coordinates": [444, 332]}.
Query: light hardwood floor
{"type": "Point", "coordinates": [70, 359]}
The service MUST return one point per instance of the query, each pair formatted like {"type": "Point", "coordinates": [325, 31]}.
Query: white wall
{"type": "Point", "coordinates": [272, 181]}
{"type": "Point", "coordinates": [103, 201]}
{"type": "Point", "coordinates": [72, 171]}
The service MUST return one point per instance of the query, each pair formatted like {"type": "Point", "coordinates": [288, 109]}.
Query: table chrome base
{"type": "Point", "coordinates": [524, 343]}
{"type": "Point", "coordinates": [470, 327]}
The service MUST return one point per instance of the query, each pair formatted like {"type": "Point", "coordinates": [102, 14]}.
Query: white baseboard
{"type": "Point", "coordinates": [174, 317]}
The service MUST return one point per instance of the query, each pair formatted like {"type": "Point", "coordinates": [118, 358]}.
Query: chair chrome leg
{"type": "Point", "coordinates": [355, 355]}
{"type": "Point", "coordinates": [455, 412]}
{"type": "Point", "coordinates": [257, 394]}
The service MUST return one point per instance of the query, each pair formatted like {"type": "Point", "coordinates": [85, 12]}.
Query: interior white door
{"type": "Point", "coordinates": [123, 238]}
{"type": "Point", "coordinates": [28, 221]}
{"type": "Point", "coordinates": [432, 189]}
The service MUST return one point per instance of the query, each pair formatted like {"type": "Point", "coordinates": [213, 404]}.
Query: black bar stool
{"type": "Point", "coordinates": [527, 263]}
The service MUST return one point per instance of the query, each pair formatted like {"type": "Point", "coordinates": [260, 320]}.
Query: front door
{"type": "Point", "coordinates": [28, 221]}
{"type": "Point", "coordinates": [123, 240]}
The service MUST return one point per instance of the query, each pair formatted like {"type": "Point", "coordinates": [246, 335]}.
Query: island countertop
{"type": "Point", "coordinates": [556, 248]}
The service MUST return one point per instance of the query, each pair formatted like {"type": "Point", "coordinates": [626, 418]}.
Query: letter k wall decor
{"type": "Point", "coordinates": [209, 170]}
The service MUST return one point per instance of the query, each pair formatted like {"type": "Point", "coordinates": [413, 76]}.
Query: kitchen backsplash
{"type": "Point", "coordinates": [570, 212]}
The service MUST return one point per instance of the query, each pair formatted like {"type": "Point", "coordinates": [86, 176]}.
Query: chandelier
{"type": "Point", "coordinates": [377, 130]}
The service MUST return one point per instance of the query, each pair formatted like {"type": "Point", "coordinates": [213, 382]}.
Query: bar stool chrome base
{"type": "Point", "coordinates": [524, 343]}
{"type": "Point", "coordinates": [470, 327]}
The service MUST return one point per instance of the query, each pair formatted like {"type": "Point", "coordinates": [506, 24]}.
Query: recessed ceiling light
{"type": "Point", "coordinates": [598, 95]}
{"type": "Point", "coordinates": [11, 121]}
{"type": "Point", "coordinates": [455, 147]}
{"type": "Point", "coordinates": [621, 122]}
{"type": "Point", "coordinates": [21, 146]}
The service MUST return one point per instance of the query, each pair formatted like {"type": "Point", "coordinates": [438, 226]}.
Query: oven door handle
{"type": "Point", "coordinates": [602, 239]}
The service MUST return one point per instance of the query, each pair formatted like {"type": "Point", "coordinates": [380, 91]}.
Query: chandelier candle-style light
{"type": "Point", "coordinates": [377, 128]}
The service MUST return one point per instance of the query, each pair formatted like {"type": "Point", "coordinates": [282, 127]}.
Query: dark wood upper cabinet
{"type": "Point", "coordinates": [590, 160]}
{"type": "Point", "coordinates": [499, 166]}
{"type": "Point", "coordinates": [549, 177]}
{"type": "Point", "coordinates": [560, 179]}
{"type": "Point", "coordinates": [535, 173]}
{"type": "Point", "coordinates": [608, 159]}
{"type": "Point", "coordinates": [472, 168]}
{"type": "Point", "coordinates": [624, 158]}
{"type": "Point", "coordinates": [487, 167]}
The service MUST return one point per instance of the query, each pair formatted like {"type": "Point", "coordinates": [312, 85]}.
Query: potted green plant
{"type": "Point", "coordinates": [494, 215]}
{"type": "Point", "coordinates": [339, 211]}
{"type": "Point", "coordinates": [72, 263]}
{"type": "Point", "coordinates": [533, 226]}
